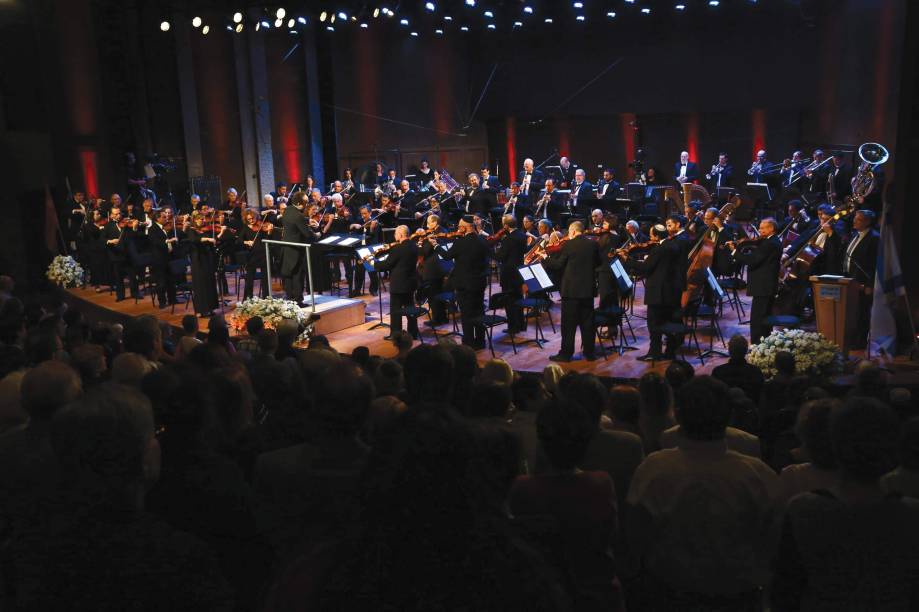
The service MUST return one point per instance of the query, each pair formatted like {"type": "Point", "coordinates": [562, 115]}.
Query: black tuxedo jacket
{"type": "Point", "coordinates": [612, 191]}
{"type": "Point", "coordinates": [491, 183]}
{"type": "Point", "coordinates": [842, 181]}
{"type": "Point", "coordinates": [762, 267]}
{"type": "Point", "coordinates": [401, 263]}
{"type": "Point", "coordinates": [112, 232]}
{"type": "Point", "coordinates": [684, 244]}
{"type": "Point", "coordinates": [537, 182]}
{"type": "Point", "coordinates": [585, 195]}
{"type": "Point", "coordinates": [692, 171]}
{"type": "Point", "coordinates": [659, 269]}
{"type": "Point", "coordinates": [470, 254]}
{"type": "Point", "coordinates": [431, 268]}
{"type": "Point", "coordinates": [156, 237]}
{"type": "Point", "coordinates": [567, 175]}
{"type": "Point", "coordinates": [577, 262]}
{"type": "Point", "coordinates": [863, 264]}
{"type": "Point", "coordinates": [510, 252]}
{"type": "Point", "coordinates": [295, 229]}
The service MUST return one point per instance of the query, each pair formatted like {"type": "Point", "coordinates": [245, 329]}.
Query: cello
{"type": "Point", "coordinates": [703, 253]}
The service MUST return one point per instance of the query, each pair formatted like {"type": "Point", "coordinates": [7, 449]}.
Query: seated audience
{"type": "Point", "coordinates": [818, 471]}
{"type": "Point", "coordinates": [738, 372]}
{"type": "Point", "coordinates": [655, 411]}
{"type": "Point", "coordinates": [904, 480]}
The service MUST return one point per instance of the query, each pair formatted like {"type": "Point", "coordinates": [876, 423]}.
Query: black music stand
{"type": "Point", "coordinates": [626, 287]}
{"type": "Point", "coordinates": [366, 254]}
{"type": "Point", "coordinates": [537, 281]}
{"type": "Point", "coordinates": [720, 295]}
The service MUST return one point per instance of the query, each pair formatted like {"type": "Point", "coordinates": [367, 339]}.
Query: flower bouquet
{"type": "Point", "coordinates": [272, 311]}
{"type": "Point", "coordinates": [65, 272]}
{"type": "Point", "coordinates": [814, 355]}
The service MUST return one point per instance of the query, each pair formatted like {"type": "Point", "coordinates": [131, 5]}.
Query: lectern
{"type": "Point", "coordinates": [836, 308]}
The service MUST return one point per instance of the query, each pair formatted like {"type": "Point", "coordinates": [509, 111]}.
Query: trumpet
{"type": "Point", "coordinates": [715, 171]}
{"type": "Point", "coordinates": [756, 168]}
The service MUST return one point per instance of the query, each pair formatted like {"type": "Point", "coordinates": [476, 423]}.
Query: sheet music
{"type": "Point", "coordinates": [540, 273]}
{"type": "Point", "coordinates": [364, 253]}
{"type": "Point", "coordinates": [621, 275]}
{"type": "Point", "coordinates": [349, 241]}
{"type": "Point", "coordinates": [329, 240]}
{"type": "Point", "coordinates": [526, 273]}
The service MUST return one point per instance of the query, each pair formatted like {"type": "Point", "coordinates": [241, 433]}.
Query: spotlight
{"type": "Point", "coordinates": [464, 28]}
{"type": "Point", "coordinates": [237, 17]}
{"type": "Point", "coordinates": [448, 18]}
{"type": "Point", "coordinates": [713, 2]}
{"type": "Point", "coordinates": [164, 26]}
{"type": "Point", "coordinates": [323, 16]}
{"type": "Point", "coordinates": [630, 1]}
{"type": "Point", "coordinates": [196, 22]}
{"type": "Point", "coordinates": [332, 18]}
{"type": "Point", "coordinates": [548, 20]}
{"type": "Point", "coordinates": [518, 24]}
{"type": "Point", "coordinates": [489, 14]}
{"type": "Point", "coordinates": [258, 26]}
{"type": "Point", "coordinates": [343, 16]}
{"type": "Point", "coordinates": [239, 28]}
{"type": "Point", "coordinates": [680, 7]}
{"type": "Point", "coordinates": [528, 10]}
{"type": "Point", "coordinates": [491, 26]}
{"type": "Point", "coordinates": [646, 11]}
{"type": "Point", "coordinates": [278, 23]}
{"type": "Point", "coordinates": [290, 23]}
{"type": "Point", "coordinates": [403, 21]}
{"type": "Point", "coordinates": [578, 5]}
{"type": "Point", "coordinates": [580, 18]}
{"type": "Point", "coordinates": [415, 34]}
{"type": "Point", "coordinates": [364, 25]}
{"type": "Point", "coordinates": [205, 29]}
{"type": "Point", "coordinates": [439, 32]}
{"type": "Point", "coordinates": [301, 20]}
{"type": "Point", "coordinates": [265, 23]}
{"type": "Point", "coordinates": [229, 28]}
{"type": "Point", "coordinates": [611, 14]}
{"type": "Point", "coordinates": [430, 6]}
{"type": "Point", "coordinates": [470, 2]}
{"type": "Point", "coordinates": [330, 28]}
{"type": "Point", "coordinates": [390, 13]}
{"type": "Point", "coordinates": [280, 13]}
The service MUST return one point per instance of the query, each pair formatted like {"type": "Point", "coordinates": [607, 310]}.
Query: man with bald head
{"type": "Point", "coordinates": [685, 171]}
{"type": "Point", "coordinates": [470, 253]}
{"type": "Point", "coordinates": [762, 276]}
{"type": "Point", "coordinates": [530, 181]}
{"type": "Point", "coordinates": [401, 262]}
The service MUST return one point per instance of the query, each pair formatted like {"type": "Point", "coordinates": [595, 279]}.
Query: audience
{"type": "Point", "coordinates": [302, 479]}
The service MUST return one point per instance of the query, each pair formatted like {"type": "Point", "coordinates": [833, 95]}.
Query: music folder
{"type": "Point", "coordinates": [535, 278]}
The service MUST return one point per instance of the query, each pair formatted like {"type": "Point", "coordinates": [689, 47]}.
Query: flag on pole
{"type": "Point", "coordinates": [888, 286]}
{"type": "Point", "coordinates": [52, 225]}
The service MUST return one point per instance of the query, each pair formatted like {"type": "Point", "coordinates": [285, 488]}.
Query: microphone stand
{"type": "Point", "coordinates": [546, 161]}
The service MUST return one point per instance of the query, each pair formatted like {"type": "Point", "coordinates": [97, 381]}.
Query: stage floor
{"type": "Point", "coordinates": [529, 357]}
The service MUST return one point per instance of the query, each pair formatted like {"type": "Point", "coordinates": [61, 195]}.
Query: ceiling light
{"type": "Point", "coordinates": [403, 21]}
{"type": "Point", "coordinates": [646, 11]}
{"type": "Point", "coordinates": [237, 17]}
{"type": "Point", "coordinates": [528, 10]}
{"type": "Point", "coordinates": [680, 7]}
{"type": "Point", "coordinates": [291, 22]}
{"type": "Point", "coordinates": [265, 24]}
{"type": "Point", "coordinates": [205, 29]}
{"type": "Point", "coordinates": [470, 2]}
{"type": "Point", "coordinates": [332, 18]}
{"type": "Point", "coordinates": [518, 24]}
{"type": "Point", "coordinates": [239, 27]}
{"type": "Point", "coordinates": [342, 16]}
{"type": "Point", "coordinates": [164, 26]}
{"type": "Point", "coordinates": [448, 18]}
{"type": "Point", "coordinates": [438, 31]}
{"type": "Point", "coordinates": [376, 12]}
{"type": "Point", "coordinates": [301, 20]}
{"type": "Point", "coordinates": [491, 26]}
{"type": "Point", "coordinates": [278, 23]}
{"type": "Point", "coordinates": [578, 5]}
{"type": "Point", "coordinates": [464, 28]}
{"type": "Point", "coordinates": [330, 28]}
{"type": "Point", "coordinates": [713, 3]}
{"type": "Point", "coordinates": [322, 16]}
{"type": "Point", "coordinates": [580, 18]}
{"type": "Point", "coordinates": [548, 20]}
{"type": "Point", "coordinates": [489, 14]}
{"type": "Point", "coordinates": [415, 34]}
{"type": "Point", "coordinates": [430, 6]}
{"type": "Point", "coordinates": [196, 22]}
{"type": "Point", "coordinates": [280, 13]}
{"type": "Point", "coordinates": [611, 14]}
{"type": "Point", "coordinates": [364, 25]}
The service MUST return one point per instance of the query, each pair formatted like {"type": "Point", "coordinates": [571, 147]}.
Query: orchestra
{"type": "Point", "coordinates": [443, 236]}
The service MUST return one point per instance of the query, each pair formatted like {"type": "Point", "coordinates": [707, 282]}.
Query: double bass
{"type": "Point", "coordinates": [798, 265]}
{"type": "Point", "coordinates": [703, 253]}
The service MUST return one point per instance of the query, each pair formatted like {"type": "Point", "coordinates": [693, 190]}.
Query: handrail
{"type": "Point", "coordinates": [309, 267]}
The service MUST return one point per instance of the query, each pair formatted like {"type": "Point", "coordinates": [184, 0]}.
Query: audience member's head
{"type": "Point", "coordinates": [142, 336]}
{"type": "Point", "coordinates": [908, 445]}
{"type": "Point", "coordinates": [89, 361]}
{"type": "Point", "coordinates": [361, 356]}
{"type": "Point", "coordinates": [871, 381]}
{"type": "Point", "coordinates": [678, 373]}
{"type": "Point", "coordinates": [43, 345]}
{"type": "Point", "coordinates": [190, 325]}
{"type": "Point", "coordinates": [402, 341]}
{"type": "Point", "coordinates": [383, 412]}
{"type": "Point", "coordinates": [813, 430]}
{"type": "Point", "coordinates": [565, 429]}
{"type": "Point", "coordinates": [864, 433]}
{"type": "Point", "coordinates": [656, 395]}
{"type": "Point", "coordinates": [48, 387]}
{"type": "Point", "coordinates": [428, 371]}
{"type": "Point", "coordinates": [254, 326]}
{"type": "Point", "coordinates": [498, 371]}
{"type": "Point", "coordinates": [785, 363]}
{"type": "Point", "coordinates": [343, 396]}
{"type": "Point", "coordinates": [130, 369]}
{"type": "Point", "coordinates": [703, 411]}
{"type": "Point", "coordinates": [586, 390]}
{"type": "Point", "coordinates": [12, 414]}
{"type": "Point", "coordinates": [551, 374]}
{"type": "Point", "coordinates": [529, 394]}
{"type": "Point", "coordinates": [388, 378]}
{"type": "Point", "coordinates": [268, 343]}
{"type": "Point", "coordinates": [625, 404]}
{"type": "Point", "coordinates": [319, 342]}
{"type": "Point", "coordinates": [489, 399]}
{"type": "Point", "coordinates": [737, 347]}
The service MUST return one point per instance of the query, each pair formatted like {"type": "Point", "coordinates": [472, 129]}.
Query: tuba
{"type": "Point", "coordinates": [872, 155]}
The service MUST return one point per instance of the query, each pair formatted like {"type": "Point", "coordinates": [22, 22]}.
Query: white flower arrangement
{"type": "Point", "coordinates": [814, 354]}
{"type": "Point", "coordinates": [65, 271]}
{"type": "Point", "coordinates": [272, 311]}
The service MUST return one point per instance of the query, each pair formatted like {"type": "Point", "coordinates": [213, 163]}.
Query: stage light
{"type": "Point", "coordinates": [280, 13]}
{"type": "Point", "coordinates": [578, 5]}
{"type": "Point", "coordinates": [415, 34]}
{"type": "Point", "coordinates": [332, 18]}
{"type": "Point", "coordinates": [518, 24]}
{"type": "Point", "coordinates": [403, 21]}
{"type": "Point", "coordinates": [630, 1]}
{"type": "Point", "coordinates": [258, 26]}
{"type": "Point", "coordinates": [430, 6]}
{"type": "Point", "coordinates": [489, 14]}
{"type": "Point", "coordinates": [205, 29]}
{"type": "Point", "coordinates": [196, 22]}
{"type": "Point", "coordinates": [164, 26]}
{"type": "Point", "coordinates": [680, 7]}
{"type": "Point", "coordinates": [239, 28]}
{"type": "Point", "coordinates": [278, 23]}
{"type": "Point", "coordinates": [364, 25]}
{"type": "Point", "coordinates": [448, 18]}
{"type": "Point", "coordinates": [330, 28]}
{"type": "Point", "coordinates": [343, 16]}
{"type": "Point", "coordinates": [580, 18]}
{"type": "Point", "coordinates": [290, 23]}
{"type": "Point", "coordinates": [713, 2]}
{"type": "Point", "coordinates": [229, 28]}
{"type": "Point", "coordinates": [439, 32]}
{"type": "Point", "coordinates": [376, 12]}
{"type": "Point", "coordinates": [464, 28]}
{"type": "Point", "coordinates": [646, 11]}
{"type": "Point", "coordinates": [237, 17]}
{"type": "Point", "coordinates": [548, 20]}
{"type": "Point", "coordinates": [322, 16]}
{"type": "Point", "coordinates": [611, 14]}
{"type": "Point", "coordinates": [390, 13]}
{"type": "Point", "coordinates": [265, 23]}
{"type": "Point", "coordinates": [470, 2]}
{"type": "Point", "coordinates": [528, 10]}
{"type": "Point", "coordinates": [491, 26]}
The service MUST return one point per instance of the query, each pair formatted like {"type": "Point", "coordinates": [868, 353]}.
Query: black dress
{"type": "Point", "coordinates": [203, 273]}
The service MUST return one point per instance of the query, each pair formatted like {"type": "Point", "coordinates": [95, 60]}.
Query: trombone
{"type": "Point", "coordinates": [810, 169]}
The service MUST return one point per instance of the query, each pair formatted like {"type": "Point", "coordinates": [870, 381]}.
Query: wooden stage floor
{"type": "Point", "coordinates": [528, 358]}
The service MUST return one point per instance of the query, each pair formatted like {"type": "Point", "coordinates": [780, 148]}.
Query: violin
{"type": "Point", "coordinates": [260, 225]}
{"type": "Point", "coordinates": [501, 233]}
{"type": "Point", "coordinates": [101, 222]}
{"type": "Point", "coordinates": [635, 246]}
{"type": "Point", "coordinates": [746, 242]}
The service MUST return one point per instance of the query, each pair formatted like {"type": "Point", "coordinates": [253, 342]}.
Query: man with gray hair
{"type": "Point", "coordinates": [509, 253]}
{"type": "Point", "coordinates": [763, 264]}
{"type": "Point", "coordinates": [530, 179]}
{"type": "Point", "coordinates": [401, 262]}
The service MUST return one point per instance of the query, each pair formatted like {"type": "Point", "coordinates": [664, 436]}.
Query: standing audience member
{"type": "Point", "coordinates": [819, 470]}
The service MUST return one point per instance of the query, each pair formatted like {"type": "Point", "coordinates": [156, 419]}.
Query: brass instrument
{"type": "Point", "coordinates": [756, 168]}
{"type": "Point", "coordinates": [872, 155]}
{"type": "Point", "coordinates": [541, 205]}
{"type": "Point", "coordinates": [715, 171]}
{"type": "Point", "coordinates": [509, 205]}
{"type": "Point", "coordinates": [810, 168]}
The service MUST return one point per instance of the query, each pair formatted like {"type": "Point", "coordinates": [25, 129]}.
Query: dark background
{"type": "Point", "coordinates": [85, 80]}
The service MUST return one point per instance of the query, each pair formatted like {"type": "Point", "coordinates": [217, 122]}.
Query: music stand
{"type": "Point", "coordinates": [626, 287]}
{"type": "Point", "coordinates": [536, 279]}
{"type": "Point", "coordinates": [720, 295]}
{"type": "Point", "coordinates": [366, 254]}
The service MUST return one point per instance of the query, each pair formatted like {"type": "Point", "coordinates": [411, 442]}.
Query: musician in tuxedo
{"type": "Point", "coordinates": [470, 255]}
{"type": "Point", "coordinates": [633, 233]}
{"type": "Point", "coordinates": [860, 263]}
{"type": "Point", "coordinates": [488, 181]}
{"type": "Point", "coordinates": [582, 195]}
{"type": "Point", "coordinates": [115, 240]}
{"type": "Point", "coordinates": [161, 246]}
{"type": "Point", "coordinates": [233, 207]}
{"type": "Point", "coordinates": [839, 178]}
{"type": "Point", "coordinates": [252, 236]}
{"type": "Point", "coordinates": [662, 295]}
{"type": "Point", "coordinates": [530, 181]}
{"type": "Point", "coordinates": [607, 187]}
{"type": "Point", "coordinates": [694, 213]}
{"type": "Point", "coordinates": [295, 228]}
{"type": "Point", "coordinates": [401, 263]}
{"type": "Point", "coordinates": [756, 171]}
{"type": "Point", "coordinates": [280, 195]}
{"type": "Point", "coordinates": [817, 178]}
{"type": "Point", "coordinates": [576, 262]}
{"type": "Point", "coordinates": [676, 230]}
{"type": "Point", "coordinates": [509, 253]}
{"type": "Point", "coordinates": [685, 171]}
{"type": "Point", "coordinates": [567, 171]}
{"type": "Point", "coordinates": [829, 240]}
{"type": "Point", "coordinates": [722, 173]}
{"type": "Point", "coordinates": [722, 263]}
{"type": "Point", "coordinates": [432, 268]}
{"type": "Point", "coordinates": [793, 170]}
{"type": "Point", "coordinates": [269, 210]}
{"type": "Point", "coordinates": [477, 201]}
{"type": "Point", "coordinates": [549, 204]}
{"type": "Point", "coordinates": [371, 232]}
{"type": "Point", "coordinates": [608, 240]}
{"type": "Point", "coordinates": [762, 276]}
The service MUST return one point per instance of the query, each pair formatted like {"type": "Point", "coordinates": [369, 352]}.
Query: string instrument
{"type": "Point", "coordinates": [501, 233]}
{"type": "Point", "coordinates": [101, 222]}
{"type": "Point", "coordinates": [799, 264]}
{"type": "Point", "coordinates": [626, 251]}
{"type": "Point", "coordinates": [537, 251]}
{"type": "Point", "coordinates": [703, 254]}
